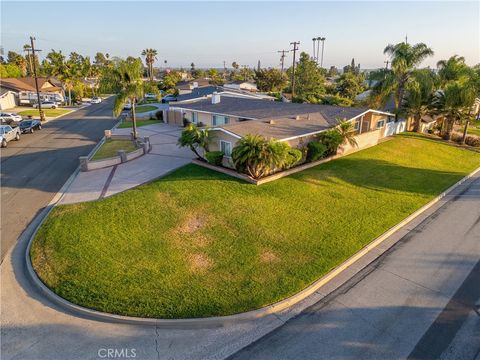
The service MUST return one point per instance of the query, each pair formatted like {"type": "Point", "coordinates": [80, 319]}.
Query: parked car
{"type": "Point", "coordinates": [47, 105]}
{"type": "Point", "coordinates": [127, 107]}
{"type": "Point", "coordinates": [150, 96]}
{"type": "Point", "coordinates": [29, 126]}
{"type": "Point", "coordinates": [7, 134]}
{"type": "Point", "coordinates": [10, 118]}
{"type": "Point", "coordinates": [169, 98]}
{"type": "Point", "coordinates": [95, 100]}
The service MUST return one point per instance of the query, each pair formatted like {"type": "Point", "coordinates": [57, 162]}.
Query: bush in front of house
{"type": "Point", "coordinates": [214, 157]}
{"type": "Point", "coordinates": [293, 157]}
{"type": "Point", "coordinates": [332, 139]}
{"type": "Point", "coordinates": [159, 115]}
{"type": "Point", "coordinates": [316, 151]}
{"type": "Point", "coordinates": [195, 138]}
{"type": "Point", "coordinates": [472, 140]}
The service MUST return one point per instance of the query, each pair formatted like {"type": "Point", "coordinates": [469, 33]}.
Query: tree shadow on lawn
{"type": "Point", "coordinates": [379, 175]}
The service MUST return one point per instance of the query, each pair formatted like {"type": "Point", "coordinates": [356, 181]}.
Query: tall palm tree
{"type": "Point", "coordinates": [452, 69]}
{"type": "Point", "coordinates": [419, 91]}
{"type": "Point", "coordinates": [150, 57]}
{"type": "Point", "coordinates": [404, 59]}
{"type": "Point", "coordinates": [125, 79]}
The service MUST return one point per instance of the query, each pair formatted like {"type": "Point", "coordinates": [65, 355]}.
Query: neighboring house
{"type": "Point", "coordinates": [241, 85]}
{"type": "Point", "coordinates": [207, 92]}
{"type": "Point", "coordinates": [25, 89]}
{"type": "Point", "coordinates": [186, 87]}
{"type": "Point", "coordinates": [232, 118]}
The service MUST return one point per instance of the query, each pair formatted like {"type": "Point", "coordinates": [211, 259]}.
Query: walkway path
{"type": "Point", "coordinates": [164, 157]}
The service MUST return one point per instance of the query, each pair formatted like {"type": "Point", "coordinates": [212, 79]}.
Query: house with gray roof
{"type": "Point", "coordinates": [231, 118]}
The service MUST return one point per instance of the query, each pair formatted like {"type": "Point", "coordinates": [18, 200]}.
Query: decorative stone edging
{"type": "Point", "coordinates": [86, 164]}
{"type": "Point", "coordinates": [236, 318]}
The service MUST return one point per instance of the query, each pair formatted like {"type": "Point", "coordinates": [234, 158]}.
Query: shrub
{"type": "Point", "coordinates": [159, 115]}
{"type": "Point", "coordinates": [457, 137]}
{"type": "Point", "coordinates": [214, 157]}
{"type": "Point", "coordinates": [293, 157]}
{"type": "Point", "coordinates": [316, 151]}
{"type": "Point", "coordinates": [332, 139]}
{"type": "Point", "coordinates": [472, 140]}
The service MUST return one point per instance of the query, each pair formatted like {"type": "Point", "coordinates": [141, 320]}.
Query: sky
{"type": "Point", "coordinates": [208, 33]}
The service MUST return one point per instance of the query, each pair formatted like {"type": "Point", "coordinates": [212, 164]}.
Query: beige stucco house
{"type": "Point", "coordinates": [230, 119]}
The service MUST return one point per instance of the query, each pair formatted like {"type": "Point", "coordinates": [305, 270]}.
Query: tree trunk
{"type": "Point", "coordinates": [134, 118]}
{"type": "Point", "coordinates": [416, 125]}
{"type": "Point", "coordinates": [69, 96]}
{"type": "Point", "coordinates": [448, 129]}
{"type": "Point", "coordinates": [465, 129]}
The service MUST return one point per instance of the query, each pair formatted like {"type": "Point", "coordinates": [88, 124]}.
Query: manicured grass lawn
{"type": "Point", "coordinates": [110, 148]}
{"type": "Point", "coordinates": [128, 124]}
{"type": "Point", "coordinates": [145, 108]}
{"type": "Point", "coordinates": [474, 130]}
{"type": "Point", "coordinates": [199, 243]}
{"type": "Point", "coordinates": [48, 112]}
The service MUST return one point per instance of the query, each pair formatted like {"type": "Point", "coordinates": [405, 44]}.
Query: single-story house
{"type": "Point", "coordinates": [205, 92]}
{"type": "Point", "coordinates": [231, 118]}
{"type": "Point", "coordinates": [241, 85]}
{"type": "Point", "coordinates": [186, 87]}
{"type": "Point", "coordinates": [25, 89]}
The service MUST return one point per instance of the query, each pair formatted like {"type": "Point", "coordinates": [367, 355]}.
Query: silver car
{"type": "Point", "coordinates": [10, 118]}
{"type": "Point", "coordinates": [7, 133]}
{"type": "Point", "coordinates": [47, 105]}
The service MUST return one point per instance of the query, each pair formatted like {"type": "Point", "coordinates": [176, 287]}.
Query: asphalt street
{"type": "Point", "coordinates": [35, 168]}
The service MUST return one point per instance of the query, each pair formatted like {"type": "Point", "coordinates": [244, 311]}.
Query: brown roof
{"type": "Point", "coordinates": [28, 84]}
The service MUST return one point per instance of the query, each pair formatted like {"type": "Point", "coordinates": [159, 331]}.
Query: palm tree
{"type": "Point", "coordinates": [347, 132]}
{"type": "Point", "coordinates": [454, 103]}
{"type": "Point", "coordinates": [150, 57]}
{"type": "Point", "coordinates": [195, 138]}
{"type": "Point", "coordinates": [452, 69]}
{"type": "Point", "coordinates": [258, 156]}
{"type": "Point", "coordinates": [404, 59]}
{"type": "Point", "coordinates": [418, 96]}
{"type": "Point", "coordinates": [124, 78]}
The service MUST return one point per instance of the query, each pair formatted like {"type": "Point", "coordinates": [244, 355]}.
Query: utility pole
{"type": "Point", "coordinates": [282, 58]}
{"type": "Point", "coordinates": [314, 57]}
{"type": "Point", "coordinates": [42, 115]}
{"type": "Point", "coordinates": [224, 70]}
{"type": "Point", "coordinates": [295, 48]}
{"type": "Point", "coordinates": [27, 49]}
{"type": "Point", "coordinates": [318, 44]}
{"type": "Point", "coordinates": [386, 64]}
{"type": "Point", "coordinates": [258, 66]}
{"type": "Point", "coordinates": [322, 39]}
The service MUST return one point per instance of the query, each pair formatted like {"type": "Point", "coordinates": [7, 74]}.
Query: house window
{"type": "Point", "coordinates": [194, 117]}
{"type": "Point", "coordinates": [226, 147]}
{"type": "Point", "coordinates": [356, 125]}
{"type": "Point", "coordinates": [380, 124]}
{"type": "Point", "coordinates": [220, 120]}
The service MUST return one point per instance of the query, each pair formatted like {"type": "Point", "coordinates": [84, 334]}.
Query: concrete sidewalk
{"type": "Point", "coordinates": [164, 157]}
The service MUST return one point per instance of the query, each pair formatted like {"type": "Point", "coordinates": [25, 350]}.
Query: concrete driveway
{"type": "Point", "coordinates": [164, 157]}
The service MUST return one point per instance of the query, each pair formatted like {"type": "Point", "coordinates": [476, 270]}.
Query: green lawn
{"type": "Point", "coordinates": [199, 243]}
{"type": "Point", "coordinates": [48, 112]}
{"type": "Point", "coordinates": [128, 124]}
{"type": "Point", "coordinates": [110, 148]}
{"type": "Point", "coordinates": [145, 108]}
{"type": "Point", "coordinates": [474, 130]}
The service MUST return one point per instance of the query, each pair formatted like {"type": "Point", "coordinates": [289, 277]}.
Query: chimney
{"type": "Point", "coordinates": [271, 122]}
{"type": "Point", "coordinates": [297, 117]}
{"type": "Point", "coordinates": [195, 85]}
{"type": "Point", "coordinates": [215, 98]}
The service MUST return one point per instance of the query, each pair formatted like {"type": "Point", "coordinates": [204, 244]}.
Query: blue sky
{"type": "Point", "coordinates": [209, 32]}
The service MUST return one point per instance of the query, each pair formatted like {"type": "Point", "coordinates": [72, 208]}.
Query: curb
{"type": "Point", "coordinates": [219, 321]}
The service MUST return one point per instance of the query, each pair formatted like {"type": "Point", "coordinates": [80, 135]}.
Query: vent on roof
{"type": "Point", "coordinates": [271, 122]}
{"type": "Point", "coordinates": [215, 98]}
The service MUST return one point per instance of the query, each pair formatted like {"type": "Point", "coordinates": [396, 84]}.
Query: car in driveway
{"type": "Point", "coordinates": [95, 100]}
{"type": "Point", "coordinates": [47, 105]}
{"type": "Point", "coordinates": [29, 126]}
{"type": "Point", "coordinates": [7, 134]}
{"type": "Point", "coordinates": [10, 118]}
{"type": "Point", "coordinates": [169, 98]}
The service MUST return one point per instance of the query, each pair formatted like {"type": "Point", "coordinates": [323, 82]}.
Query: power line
{"type": "Point", "coordinates": [42, 116]}
{"type": "Point", "coordinates": [295, 48]}
{"type": "Point", "coordinates": [282, 58]}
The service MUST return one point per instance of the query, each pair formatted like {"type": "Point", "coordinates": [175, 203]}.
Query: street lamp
{"type": "Point", "coordinates": [314, 39]}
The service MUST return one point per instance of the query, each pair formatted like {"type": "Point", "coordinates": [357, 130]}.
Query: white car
{"type": "Point", "coordinates": [7, 133]}
{"type": "Point", "coordinates": [95, 100]}
{"type": "Point", "coordinates": [10, 118]}
{"type": "Point", "coordinates": [150, 96]}
{"type": "Point", "coordinates": [47, 105]}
